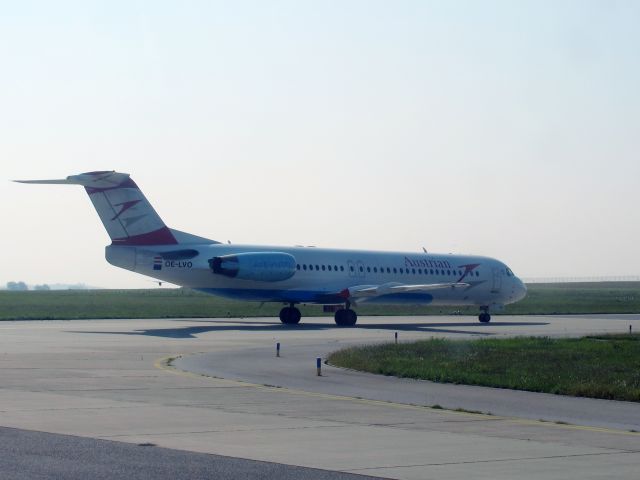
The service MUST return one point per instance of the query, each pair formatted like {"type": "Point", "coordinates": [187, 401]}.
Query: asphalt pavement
{"type": "Point", "coordinates": [28, 455]}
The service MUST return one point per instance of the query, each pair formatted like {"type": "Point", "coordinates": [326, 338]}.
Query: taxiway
{"type": "Point", "coordinates": [108, 380]}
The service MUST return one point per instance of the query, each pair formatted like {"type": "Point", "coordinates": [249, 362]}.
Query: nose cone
{"type": "Point", "coordinates": [520, 290]}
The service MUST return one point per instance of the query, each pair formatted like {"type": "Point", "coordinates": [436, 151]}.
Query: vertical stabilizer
{"type": "Point", "coordinates": [125, 212]}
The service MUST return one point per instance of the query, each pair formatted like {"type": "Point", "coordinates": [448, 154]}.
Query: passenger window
{"type": "Point", "coordinates": [351, 268]}
{"type": "Point", "coordinates": [368, 269]}
{"type": "Point", "coordinates": [375, 269]}
{"type": "Point", "coordinates": [341, 268]}
{"type": "Point", "coordinates": [304, 267]}
{"type": "Point", "coordinates": [323, 268]}
{"type": "Point", "coordinates": [388, 270]}
{"type": "Point", "coordinates": [317, 267]}
{"type": "Point", "coordinates": [335, 267]}
{"type": "Point", "coordinates": [361, 269]}
{"type": "Point", "coordinates": [298, 266]}
{"type": "Point", "coordinates": [413, 270]}
{"type": "Point", "coordinates": [401, 271]}
{"type": "Point", "coordinates": [329, 267]}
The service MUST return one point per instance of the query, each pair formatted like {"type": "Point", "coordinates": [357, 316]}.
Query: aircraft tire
{"type": "Point", "coordinates": [484, 317]}
{"type": "Point", "coordinates": [345, 317]}
{"type": "Point", "coordinates": [290, 315]}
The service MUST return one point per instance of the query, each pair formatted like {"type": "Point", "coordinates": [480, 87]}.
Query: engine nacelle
{"type": "Point", "coordinates": [259, 266]}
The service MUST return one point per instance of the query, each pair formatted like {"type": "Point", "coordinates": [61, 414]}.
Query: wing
{"type": "Point", "coordinates": [368, 291]}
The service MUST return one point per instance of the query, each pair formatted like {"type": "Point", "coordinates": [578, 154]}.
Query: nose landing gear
{"type": "Point", "coordinates": [484, 316]}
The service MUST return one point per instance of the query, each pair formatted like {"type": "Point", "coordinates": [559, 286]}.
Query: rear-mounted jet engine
{"type": "Point", "coordinates": [259, 266]}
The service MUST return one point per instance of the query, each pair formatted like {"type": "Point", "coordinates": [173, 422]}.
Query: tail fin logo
{"type": "Point", "coordinates": [125, 206]}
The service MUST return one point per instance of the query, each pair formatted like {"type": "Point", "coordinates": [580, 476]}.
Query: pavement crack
{"type": "Point", "coordinates": [546, 457]}
{"type": "Point", "coordinates": [232, 430]}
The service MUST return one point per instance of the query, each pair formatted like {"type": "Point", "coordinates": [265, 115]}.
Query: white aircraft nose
{"type": "Point", "coordinates": [521, 289]}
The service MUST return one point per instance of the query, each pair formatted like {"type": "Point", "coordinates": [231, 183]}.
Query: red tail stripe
{"type": "Point", "coordinates": [163, 236]}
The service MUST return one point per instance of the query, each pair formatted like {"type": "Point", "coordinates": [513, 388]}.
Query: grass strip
{"type": "Point", "coordinates": [563, 298]}
{"type": "Point", "coordinates": [606, 366]}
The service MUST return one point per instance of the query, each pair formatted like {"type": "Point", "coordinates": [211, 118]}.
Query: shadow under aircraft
{"type": "Point", "coordinates": [228, 325]}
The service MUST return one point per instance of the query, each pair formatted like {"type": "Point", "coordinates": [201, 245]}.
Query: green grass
{"type": "Point", "coordinates": [606, 366]}
{"type": "Point", "coordinates": [83, 304]}
{"type": "Point", "coordinates": [570, 298]}
{"type": "Point", "coordinates": [574, 298]}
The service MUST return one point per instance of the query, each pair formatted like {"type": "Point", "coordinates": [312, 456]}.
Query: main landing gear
{"type": "Point", "coordinates": [290, 315]}
{"type": "Point", "coordinates": [484, 316]}
{"type": "Point", "coordinates": [345, 317]}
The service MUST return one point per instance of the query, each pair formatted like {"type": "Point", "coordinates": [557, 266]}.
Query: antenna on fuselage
{"type": "Point", "coordinates": [424, 250]}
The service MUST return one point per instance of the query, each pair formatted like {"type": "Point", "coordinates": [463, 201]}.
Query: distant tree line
{"type": "Point", "coordinates": [17, 286]}
{"type": "Point", "coordinates": [23, 287]}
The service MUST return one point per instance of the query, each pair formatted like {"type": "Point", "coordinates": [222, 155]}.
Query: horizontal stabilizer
{"type": "Point", "coordinates": [101, 180]}
{"type": "Point", "coordinates": [64, 181]}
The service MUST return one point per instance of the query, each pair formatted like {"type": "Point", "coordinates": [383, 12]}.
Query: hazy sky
{"type": "Point", "coordinates": [509, 129]}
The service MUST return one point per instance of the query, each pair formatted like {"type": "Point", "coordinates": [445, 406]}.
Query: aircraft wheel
{"type": "Point", "coordinates": [345, 317]}
{"type": "Point", "coordinates": [290, 315]}
{"type": "Point", "coordinates": [484, 317]}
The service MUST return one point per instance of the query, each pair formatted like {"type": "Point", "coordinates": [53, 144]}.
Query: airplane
{"type": "Point", "coordinates": [337, 279]}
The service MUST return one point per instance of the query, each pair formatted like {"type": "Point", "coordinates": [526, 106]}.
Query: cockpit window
{"type": "Point", "coordinates": [509, 272]}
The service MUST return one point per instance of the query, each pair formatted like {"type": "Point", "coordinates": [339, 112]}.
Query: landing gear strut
{"type": "Point", "coordinates": [345, 317]}
{"type": "Point", "coordinates": [290, 315]}
{"type": "Point", "coordinates": [484, 316]}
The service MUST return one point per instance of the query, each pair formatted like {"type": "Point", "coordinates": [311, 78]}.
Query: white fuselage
{"type": "Point", "coordinates": [322, 273]}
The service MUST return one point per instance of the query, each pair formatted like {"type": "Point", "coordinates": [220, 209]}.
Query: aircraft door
{"type": "Point", "coordinates": [356, 269]}
{"type": "Point", "coordinates": [496, 280]}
